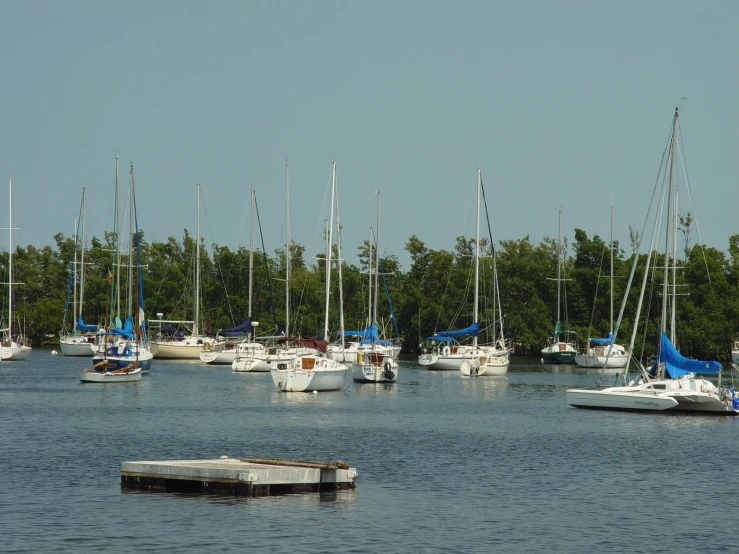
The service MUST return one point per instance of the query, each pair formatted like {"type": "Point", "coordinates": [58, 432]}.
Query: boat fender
{"type": "Point", "coordinates": [445, 351]}
{"type": "Point", "coordinates": [387, 370]}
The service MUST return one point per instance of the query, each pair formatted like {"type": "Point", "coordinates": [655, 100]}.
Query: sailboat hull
{"type": "Point", "coordinates": [610, 362]}
{"type": "Point", "coordinates": [76, 346]}
{"type": "Point", "coordinates": [560, 353]}
{"type": "Point", "coordinates": [111, 377]}
{"type": "Point", "coordinates": [187, 349]}
{"type": "Point", "coordinates": [15, 353]}
{"type": "Point", "coordinates": [325, 375]}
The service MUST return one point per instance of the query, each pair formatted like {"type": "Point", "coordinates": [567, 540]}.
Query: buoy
{"type": "Point", "coordinates": [315, 392]}
{"type": "Point", "coordinates": [53, 352]}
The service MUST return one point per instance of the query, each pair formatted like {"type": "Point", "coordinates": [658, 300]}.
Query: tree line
{"type": "Point", "coordinates": [434, 294]}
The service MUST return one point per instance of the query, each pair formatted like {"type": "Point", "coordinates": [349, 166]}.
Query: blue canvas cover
{"type": "Point", "coordinates": [127, 330]}
{"type": "Point", "coordinates": [472, 331]}
{"type": "Point", "coordinates": [603, 342]}
{"type": "Point", "coordinates": [244, 329]}
{"type": "Point", "coordinates": [82, 328]}
{"type": "Point", "coordinates": [676, 364]}
{"type": "Point", "coordinates": [368, 333]}
{"type": "Point", "coordinates": [379, 341]}
{"type": "Point", "coordinates": [441, 339]}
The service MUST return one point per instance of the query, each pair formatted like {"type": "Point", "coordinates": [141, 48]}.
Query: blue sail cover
{"type": "Point", "coordinates": [127, 330]}
{"type": "Point", "coordinates": [243, 329]}
{"type": "Point", "coordinates": [82, 328]}
{"type": "Point", "coordinates": [378, 341]}
{"type": "Point", "coordinates": [368, 333]}
{"type": "Point", "coordinates": [603, 342]}
{"type": "Point", "coordinates": [676, 364]}
{"type": "Point", "coordinates": [472, 331]}
{"type": "Point", "coordinates": [441, 339]}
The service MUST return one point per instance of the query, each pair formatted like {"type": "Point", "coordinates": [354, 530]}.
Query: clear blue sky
{"type": "Point", "coordinates": [559, 103]}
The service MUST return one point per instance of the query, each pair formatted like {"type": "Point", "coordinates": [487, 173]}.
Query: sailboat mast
{"type": "Point", "coordinates": [370, 287]}
{"type": "Point", "coordinates": [287, 249]}
{"type": "Point", "coordinates": [76, 308]}
{"type": "Point", "coordinates": [339, 263]}
{"type": "Point", "coordinates": [377, 262]}
{"type": "Point", "coordinates": [673, 309]}
{"type": "Point", "coordinates": [117, 233]}
{"type": "Point", "coordinates": [10, 259]}
{"type": "Point", "coordinates": [82, 255]}
{"type": "Point", "coordinates": [669, 230]}
{"type": "Point", "coordinates": [559, 266]}
{"type": "Point", "coordinates": [251, 248]}
{"type": "Point", "coordinates": [610, 330]}
{"type": "Point", "coordinates": [195, 330]}
{"type": "Point", "coordinates": [129, 295]}
{"type": "Point", "coordinates": [329, 242]}
{"type": "Point", "coordinates": [477, 257]}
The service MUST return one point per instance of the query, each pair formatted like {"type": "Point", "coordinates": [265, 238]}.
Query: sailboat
{"type": "Point", "coordinates": [317, 371]}
{"type": "Point", "coordinates": [374, 359]}
{"type": "Point", "coordinates": [13, 347]}
{"type": "Point", "coordinates": [672, 382]}
{"type": "Point", "coordinates": [498, 353]}
{"type": "Point", "coordinates": [80, 341]}
{"type": "Point", "coordinates": [559, 351]}
{"type": "Point", "coordinates": [179, 339]}
{"type": "Point", "coordinates": [121, 352]}
{"type": "Point", "coordinates": [602, 352]}
{"type": "Point", "coordinates": [253, 356]}
{"type": "Point", "coordinates": [450, 354]}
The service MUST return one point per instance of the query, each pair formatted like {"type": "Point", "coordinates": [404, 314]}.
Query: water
{"type": "Point", "coordinates": [446, 464]}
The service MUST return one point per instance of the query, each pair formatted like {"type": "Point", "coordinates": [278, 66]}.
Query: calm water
{"type": "Point", "coordinates": [446, 464]}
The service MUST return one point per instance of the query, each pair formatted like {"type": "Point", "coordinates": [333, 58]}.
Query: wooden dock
{"type": "Point", "coordinates": [251, 476]}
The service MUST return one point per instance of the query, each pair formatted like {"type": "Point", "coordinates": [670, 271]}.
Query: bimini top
{"type": "Point", "coordinates": [603, 342]}
{"type": "Point", "coordinates": [244, 329]}
{"type": "Point", "coordinates": [307, 342]}
{"type": "Point", "coordinates": [676, 364]}
{"type": "Point", "coordinates": [472, 331]}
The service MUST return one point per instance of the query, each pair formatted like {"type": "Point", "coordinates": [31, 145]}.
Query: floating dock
{"type": "Point", "coordinates": [251, 476]}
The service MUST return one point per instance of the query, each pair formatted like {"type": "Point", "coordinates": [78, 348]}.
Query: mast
{"type": "Point", "coordinates": [559, 266]}
{"type": "Point", "coordinates": [369, 288]}
{"type": "Point", "coordinates": [251, 248]}
{"type": "Point", "coordinates": [75, 306]}
{"type": "Point", "coordinates": [10, 260]}
{"type": "Point", "coordinates": [610, 329]}
{"type": "Point", "coordinates": [377, 262]}
{"type": "Point", "coordinates": [477, 257]}
{"type": "Point", "coordinates": [129, 295]}
{"type": "Point", "coordinates": [117, 233]}
{"type": "Point", "coordinates": [287, 250]}
{"type": "Point", "coordinates": [668, 231]}
{"type": "Point", "coordinates": [196, 305]}
{"type": "Point", "coordinates": [339, 262]}
{"type": "Point", "coordinates": [329, 242]}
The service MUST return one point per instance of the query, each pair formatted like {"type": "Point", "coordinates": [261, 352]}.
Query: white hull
{"type": "Point", "coordinates": [452, 360]}
{"type": "Point", "coordinates": [348, 354]}
{"type": "Point", "coordinates": [186, 349]}
{"type": "Point", "coordinates": [214, 357]}
{"type": "Point", "coordinates": [76, 346]}
{"type": "Point", "coordinates": [15, 353]}
{"type": "Point", "coordinates": [598, 357]}
{"type": "Point", "coordinates": [111, 377]}
{"type": "Point", "coordinates": [326, 375]}
{"type": "Point", "coordinates": [374, 367]}
{"type": "Point", "coordinates": [495, 364]}
{"type": "Point", "coordinates": [269, 359]}
{"type": "Point", "coordinates": [685, 394]}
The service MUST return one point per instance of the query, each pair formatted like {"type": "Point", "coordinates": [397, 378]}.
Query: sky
{"type": "Point", "coordinates": [563, 104]}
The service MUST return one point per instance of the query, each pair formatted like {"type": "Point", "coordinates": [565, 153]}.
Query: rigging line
{"type": "Point", "coordinates": [266, 264]}
{"type": "Point", "coordinates": [217, 260]}
{"type": "Point", "coordinates": [72, 274]}
{"type": "Point", "coordinates": [597, 284]}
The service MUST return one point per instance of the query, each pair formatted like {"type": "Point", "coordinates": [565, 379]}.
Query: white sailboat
{"type": "Point", "coordinates": [253, 356]}
{"type": "Point", "coordinates": [672, 382]}
{"type": "Point", "coordinates": [80, 340]}
{"type": "Point", "coordinates": [374, 359]}
{"type": "Point", "coordinates": [179, 339]}
{"type": "Point", "coordinates": [446, 353]}
{"type": "Point", "coordinates": [559, 350]}
{"type": "Point", "coordinates": [315, 372]}
{"type": "Point", "coordinates": [14, 347]}
{"type": "Point", "coordinates": [122, 352]}
{"type": "Point", "coordinates": [601, 352]}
